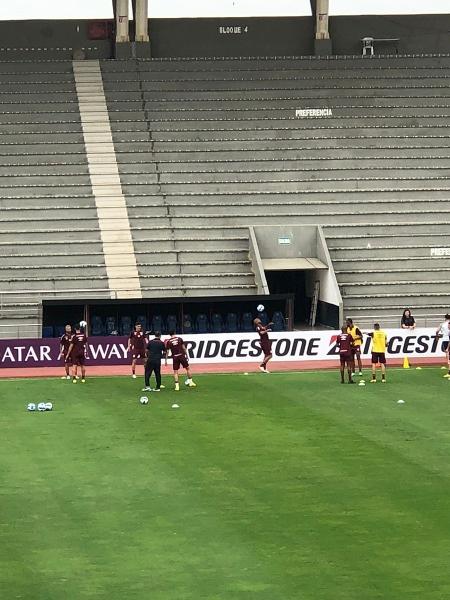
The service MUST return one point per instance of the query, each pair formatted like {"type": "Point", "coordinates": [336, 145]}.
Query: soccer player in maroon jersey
{"type": "Point", "coordinates": [266, 344]}
{"type": "Point", "coordinates": [177, 349]}
{"type": "Point", "coordinates": [344, 342]}
{"type": "Point", "coordinates": [63, 349]}
{"type": "Point", "coordinates": [136, 343]}
{"type": "Point", "coordinates": [77, 353]}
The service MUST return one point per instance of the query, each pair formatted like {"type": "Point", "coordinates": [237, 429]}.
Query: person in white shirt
{"type": "Point", "coordinates": [443, 331]}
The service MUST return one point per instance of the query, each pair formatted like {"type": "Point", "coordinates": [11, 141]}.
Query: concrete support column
{"type": "Point", "coordinates": [122, 18]}
{"type": "Point", "coordinates": [322, 32]}
{"type": "Point", "coordinates": [322, 42]}
{"type": "Point", "coordinates": [141, 20]}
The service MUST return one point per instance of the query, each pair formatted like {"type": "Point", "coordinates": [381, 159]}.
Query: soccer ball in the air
{"type": "Point", "coordinates": [31, 406]}
{"type": "Point", "coordinates": [41, 406]}
{"type": "Point", "coordinates": [260, 308]}
{"type": "Point", "coordinates": [83, 324]}
{"type": "Point", "coordinates": [143, 400]}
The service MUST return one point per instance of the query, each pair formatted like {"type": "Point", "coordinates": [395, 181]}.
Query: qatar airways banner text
{"type": "Point", "coordinates": [224, 347]}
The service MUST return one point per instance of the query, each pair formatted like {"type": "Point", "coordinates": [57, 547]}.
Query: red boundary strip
{"type": "Point", "coordinates": [223, 367]}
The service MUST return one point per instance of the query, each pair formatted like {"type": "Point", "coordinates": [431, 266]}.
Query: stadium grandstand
{"type": "Point", "coordinates": [177, 159]}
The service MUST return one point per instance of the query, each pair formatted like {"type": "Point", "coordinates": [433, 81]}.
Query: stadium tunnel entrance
{"type": "Point", "coordinates": [292, 282]}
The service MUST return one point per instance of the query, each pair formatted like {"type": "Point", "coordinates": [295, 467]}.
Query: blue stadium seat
{"type": "Point", "coordinates": [247, 322]}
{"type": "Point", "coordinates": [231, 322]}
{"type": "Point", "coordinates": [111, 326]}
{"type": "Point", "coordinates": [171, 323]}
{"type": "Point", "coordinates": [47, 331]}
{"type": "Point", "coordinates": [188, 325]}
{"type": "Point", "coordinates": [278, 321]}
{"type": "Point", "coordinates": [157, 323]}
{"type": "Point", "coordinates": [97, 326]}
{"type": "Point", "coordinates": [216, 323]}
{"type": "Point", "coordinates": [126, 325]}
{"type": "Point", "coordinates": [202, 323]}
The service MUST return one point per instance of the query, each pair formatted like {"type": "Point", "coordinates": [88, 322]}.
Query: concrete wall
{"type": "Point", "coordinates": [303, 241]}
{"type": "Point", "coordinates": [228, 37]}
{"type": "Point", "coordinates": [257, 36]}
{"type": "Point", "coordinates": [417, 33]}
{"type": "Point", "coordinates": [23, 40]}
{"type": "Point", "coordinates": [293, 36]}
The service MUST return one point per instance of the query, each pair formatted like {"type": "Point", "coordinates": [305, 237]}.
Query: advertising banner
{"type": "Point", "coordinates": [225, 347]}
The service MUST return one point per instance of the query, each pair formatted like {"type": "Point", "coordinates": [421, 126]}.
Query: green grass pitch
{"type": "Point", "coordinates": [260, 487]}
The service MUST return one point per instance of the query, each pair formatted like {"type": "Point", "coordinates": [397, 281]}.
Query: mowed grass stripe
{"type": "Point", "coordinates": [257, 487]}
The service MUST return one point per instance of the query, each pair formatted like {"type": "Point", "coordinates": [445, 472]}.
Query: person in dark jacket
{"type": "Point", "coordinates": [408, 321]}
{"type": "Point", "coordinates": [155, 352]}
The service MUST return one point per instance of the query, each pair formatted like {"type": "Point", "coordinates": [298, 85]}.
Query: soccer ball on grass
{"type": "Point", "coordinates": [143, 400]}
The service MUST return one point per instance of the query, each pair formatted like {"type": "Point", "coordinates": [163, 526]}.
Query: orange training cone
{"type": "Point", "coordinates": [406, 363]}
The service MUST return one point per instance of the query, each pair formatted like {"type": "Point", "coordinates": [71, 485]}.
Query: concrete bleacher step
{"type": "Point", "coordinates": [187, 243]}
{"type": "Point", "coordinates": [379, 289]}
{"type": "Point", "coordinates": [393, 239]}
{"type": "Point", "coordinates": [232, 131]}
{"type": "Point", "coordinates": [361, 144]}
{"type": "Point", "coordinates": [56, 172]}
{"type": "Point", "coordinates": [418, 298]}
{"type": "Point", "coordinates": [270, 94]}
{"type": "Point", "coordinates": [377, 227]}
{"type": "Point", "coordinates": [188, 267]}
{"type": "Point", "coordinates": [65, 235]}
{"type": "Point", "coordinates": [355, 257]}
{"type": "Point", "coordinates": [268, 102]}
{"type": "Point", "coordinates": [287, 152]}
{"type": "Point", "coordinates": [58, 271]}
{"type": "Point", "coordinates": [158, 291]}
{"type": "Point", "coordinates": [284, 204]}
{"type": "Point", "coordinates": [273, 164]}
{"type": "Point", "coordinates": [299, 216]}
{"type": "Point", "coordinates": [195, 178]}
{"type": "Point", "coordinates": [409, 274]}
{"type": "Point", "coordinates": [64, 285]}
{"type": "Point", "coordinates": [45, 258]}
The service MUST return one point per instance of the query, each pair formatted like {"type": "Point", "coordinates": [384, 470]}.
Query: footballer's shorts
{"type": "Point", "coordinates": [138, 355]}
{"type": "Point", "coordinates": [346, 358]}
{"type": "Point", "coordinates": [79, 360]}
{"type": "Point", "coordinates": [378, 358]}
{"type": "Point", "coordinates": [356, 350]}
{"type": "Point", "coordinates": [180, 361]}
{"type": "Point", "coordinates": [445, 346]}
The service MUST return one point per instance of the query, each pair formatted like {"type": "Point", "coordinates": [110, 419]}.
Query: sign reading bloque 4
{"type": "Point", "coordinates": [302, 113]}
{"type": "Point", "coordinates": [233, 29]}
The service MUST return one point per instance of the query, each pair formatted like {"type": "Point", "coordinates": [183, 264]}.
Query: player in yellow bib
{"type": "Point", "coordinates": [379, 346]}
{"type": "Point", "coordinates": [357, 336]}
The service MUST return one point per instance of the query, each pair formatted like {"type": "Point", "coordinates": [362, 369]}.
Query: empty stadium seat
{"type": "Point", "coordinates": [202, 323]}
{"type": "Point", "coordinates": [278, 321]}
{"type": "Point", "coordinates": [247, 322]}
{"type": "Point", "coordinates": [231, 322]}
{"type": "Point", "coordinates": [97, 327]}
{"type": "Point", "coordinates": [126, 325]}
{"type": "Point", "coordinates": [188, 325]}
{"type": "Point", "coordinates": [216, 323]}
{"type": "Point", "coordinates": [171, 323]}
